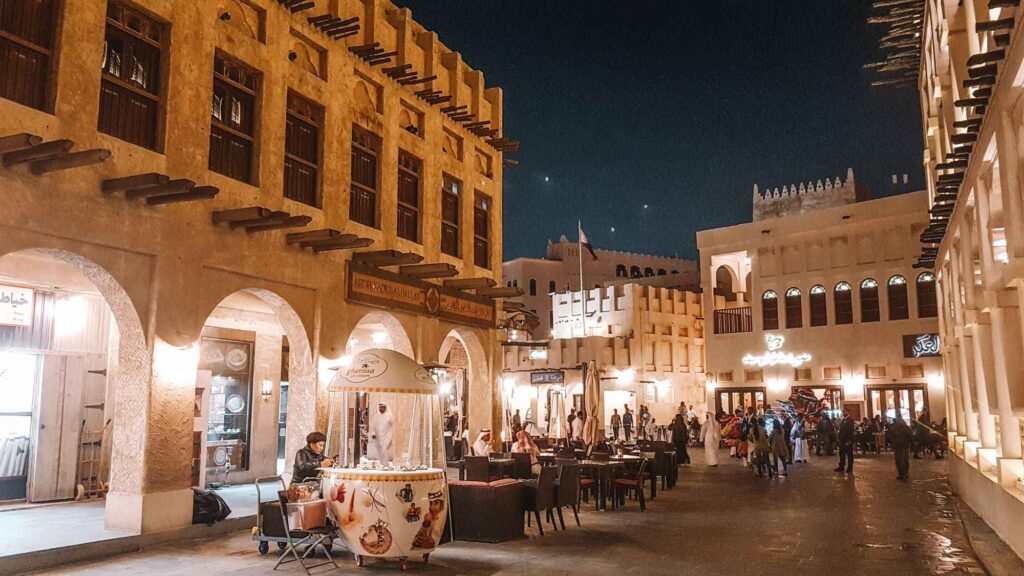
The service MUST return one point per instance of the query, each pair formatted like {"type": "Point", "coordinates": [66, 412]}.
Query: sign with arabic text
{"type": "Point", "coordinates": [775, 356]}
{"type": "Point", "coordinates": [370, 285]}
{"type": "Point", "coordinates": [16, 305]}
{"type": "Point", "coordinates": [921, 346]}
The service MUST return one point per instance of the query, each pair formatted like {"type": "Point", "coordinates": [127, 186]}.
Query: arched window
{"type": "Point", "coordinates": [661, 272]}
{"type": "Point", "coordinates": [533, 287]}
{"type": "Point", "coordinates": [675, 271]}
{"type": "Point", "coordinates": [551, 287]}
{"type": "Point", "coordinates": [927, 303]}
{"type": "Point", "coordinates": [515, 283]}
{"type": "Point", "coordinates": [896, 292]}
{"type": "Point", "coordinates": [634, 272]}
{"type": "Point", "coordinates": [508, 284]}
{"type": "Point", "coordinates": [648, 271]}
{"type": "Point", "coordinates": [819, 311]}
{"type": "Point", "coordinates": [843, 300]}
{"type": "Point", "coordinates": [869, 310]}
{"type": "Point", "coordinates": [770, 310]}
{"type": "Point", "coordinates": [620, 271]}
{"type": "Point", "coordinates": [794, 309]}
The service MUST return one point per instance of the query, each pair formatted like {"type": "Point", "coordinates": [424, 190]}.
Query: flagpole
{"type": "Point", "coordinates": [579, 252]}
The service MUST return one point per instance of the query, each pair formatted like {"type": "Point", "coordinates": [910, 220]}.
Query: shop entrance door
{"type": "Point", "coordinates": [729, 399]}
{"type": "Point", "coordinates": [17, 389]}
{"type": "Point", "coordinates": [909, 401]}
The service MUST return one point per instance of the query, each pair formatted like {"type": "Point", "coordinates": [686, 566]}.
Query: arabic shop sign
{"type": "Point", "coordinates": [775, 356]}
{"type": "Point", "coordinates": [16, 306]}
{"type": "Point", "coordinates": [921, 346]}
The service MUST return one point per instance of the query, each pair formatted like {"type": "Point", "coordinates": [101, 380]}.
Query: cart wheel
{"type": "Point", "coordinates": [426, 558]}
{"type": "Point", "coordinates": [264, 547]}
{"type": "Point", "coordinates": [282, 545]}
{"type": "Point", "coordinates": [359, 561]}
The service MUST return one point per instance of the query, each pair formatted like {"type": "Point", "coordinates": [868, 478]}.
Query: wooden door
{"type": "Point", "coordinates": [59, 424]}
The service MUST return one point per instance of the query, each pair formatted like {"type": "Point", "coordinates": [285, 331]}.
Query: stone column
{"type": "Point", "coordinates": [981, 340]}
{"type": "Point", "coordinates": [966, 366]}
{"type": "Point", "coordinates": [1009, 178]}
{"type": "Point", "coordinates": [1007, 354]}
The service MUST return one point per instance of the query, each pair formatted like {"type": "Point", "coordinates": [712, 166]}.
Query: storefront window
{"type": "Point", "coordinates": [230, 366]}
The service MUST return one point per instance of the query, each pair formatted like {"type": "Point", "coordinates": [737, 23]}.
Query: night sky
{"type": "Point", "coordinates": [680, 106]}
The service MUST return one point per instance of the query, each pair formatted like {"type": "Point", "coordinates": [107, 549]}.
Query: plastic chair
{"type": "Point", "coordinates": [296, 538]}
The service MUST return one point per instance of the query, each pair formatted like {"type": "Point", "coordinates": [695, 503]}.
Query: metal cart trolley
{"type": "Point", "coordinates": [268, 519]}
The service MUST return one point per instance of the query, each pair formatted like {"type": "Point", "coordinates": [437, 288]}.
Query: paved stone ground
{"type": "Point", "coordinates": [716, 521]}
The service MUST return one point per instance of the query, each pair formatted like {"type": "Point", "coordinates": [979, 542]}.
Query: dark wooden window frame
{"type": "Point", "coordinates": [482, 230]}
{"type": "Point", "coordinates": [366, 149]}
{"type": "Point", "coordinates": [769, 310]}
{"type": "Point", "coordinates": [794, 305]}
{"type": "Point", "coordinates": [451, 215]}
{"type": "Point", "coordinates": [817, 300]}
{"type": "Point", "coordinates": [246, 86]}
{"type": "Point", "coordinates": [927, 298]}
{"type": "Point", "coordinates": [881, 388]}
{"type": "Point", "coordinates": [739, 390]}
{"type": "Point", "coordinates": [898, 297]}
{"type": "Point", "coordinates": [842, 300]}
{"type": "Point", "coordinates": [41, 42]}
{"type": "Point", "coordinates": [870, 304]}
{"type": "Point", "coordinates": [303, 113]}
{"type": "Point", "coordinates": [410, 172]}
{"type": "Point", "coordinates": [110, 122]}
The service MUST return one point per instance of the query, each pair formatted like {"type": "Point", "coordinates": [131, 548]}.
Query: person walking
{"type": "Point", "coordinates": [787, 429]}
{"type": "Point", "coordinates": [796, 437]}
{"type": "Point", "coordinates": [847, 437]}
{"type": "Point", "coordinates": [779, 447]}
{"type": "Point", "coordinates": [627, 423]}
{"type": "Point", "coordinates": [711, 435]}
{"type": "Point", "coordinates": [826, 436]}
{"type": "Point", "coordinates": [616, 423]}
{"type": "Point", "coordinates": [680, 437]}
{"type": "Point", "coordinates": [761, 447]}
{"type": "Point", "coordinates": [645, 419]}
{"type": "Point", "coordinates": [900, 437]}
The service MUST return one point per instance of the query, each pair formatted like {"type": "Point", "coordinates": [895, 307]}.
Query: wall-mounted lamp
{"type": "Point", "coordinates": [539, 354]}
{"type": "Point", "coordinates": [266, 390]}
{"type": "Point", "coordinates": [626, 376]}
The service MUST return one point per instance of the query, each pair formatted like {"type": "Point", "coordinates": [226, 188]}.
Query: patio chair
{"type": "Point", "coordinates": [541, 496]}
{"type": "Point", "coordinates": [312, 538]}
{"type": "Point", "coordinates": [633, 484]}
{"type": "Point", "coordinates": [478, 469]}
{"type": "Point", "coordinates": [568, 493]}
{"type": "Point", "coordinates": [522, 467]}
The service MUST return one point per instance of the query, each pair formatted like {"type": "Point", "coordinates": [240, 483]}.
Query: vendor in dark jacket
{"type": "Point", "coordinates": [308, 459]}
{"type": "Point", "coordinates": [847, 435]}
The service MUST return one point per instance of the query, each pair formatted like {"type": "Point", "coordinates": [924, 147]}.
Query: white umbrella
{"type": "Point", "coordinates": [379, 370]}
{"type": "Point", "coordinates": [591, 431]}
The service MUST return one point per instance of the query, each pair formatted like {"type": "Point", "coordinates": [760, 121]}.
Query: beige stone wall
{"type": "Point", "coordinates": [165, 269]}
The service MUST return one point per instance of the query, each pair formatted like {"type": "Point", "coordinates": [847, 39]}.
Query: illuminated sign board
{"type": "Point", "coordinates": [775, 356]}
{"type": "Point", "coordinates": [921, 346]}
{"type": "Point", "coordinates": [550, 377]}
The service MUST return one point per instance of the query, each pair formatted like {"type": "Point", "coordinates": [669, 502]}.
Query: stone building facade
{"type": "Point", "coordinates": [647, 344]}
{"type": "Point", "coordinates": [559, 271]}
{"type": "Point", "coordinates": [836, 283]}
{"type": "Point", "coordinates": [799, 199]}
{"type": "Point", "coordinates": [973, 121]}
{"type": "Point", "coordinates": [298, 180]}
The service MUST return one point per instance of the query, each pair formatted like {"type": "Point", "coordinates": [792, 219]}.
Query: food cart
{"type": "Point", "coordinates": [388, 492]}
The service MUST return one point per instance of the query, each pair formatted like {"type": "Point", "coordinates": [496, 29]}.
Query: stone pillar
{"type": "Point", "coordinates": [1007, 354]}
{"type": "Point", "coordinates": [971, 430]}
{"type": "Point", "coordinates": [981, 341]}
{"type": "Point", "coordinates": [1009, 178]}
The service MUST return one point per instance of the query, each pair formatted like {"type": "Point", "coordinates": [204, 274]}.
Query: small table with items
{"type": "Point", "coordinates": [603, 470]}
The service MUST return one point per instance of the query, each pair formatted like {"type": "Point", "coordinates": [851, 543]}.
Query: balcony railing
{"type": "Point", "coordinates": [733, 320]}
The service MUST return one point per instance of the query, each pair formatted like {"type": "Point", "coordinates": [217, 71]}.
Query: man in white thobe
{"type": "Point", "coordinates": [382, 434]}
{"type": "Point", "coordinates": [711, 435]}
{"type": "Point", "coordinates": [482, 446]}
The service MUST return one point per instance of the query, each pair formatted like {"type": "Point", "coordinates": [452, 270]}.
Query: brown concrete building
{"type": "Point", "coordinates": [211, 205]}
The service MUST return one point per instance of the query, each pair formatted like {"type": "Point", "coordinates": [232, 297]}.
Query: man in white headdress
{"type": "Point", "coordinates": [482, 446]}
{"type": "Point", "coordinates": [711, 435]}
{"type": "Point", "coordinates": [382, 434]}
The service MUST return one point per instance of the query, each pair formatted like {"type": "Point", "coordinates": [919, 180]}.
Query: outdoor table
{"type": "Point", "coordinates": [604, 471]}
{"type": "Point", "coordinates": [499, 465]}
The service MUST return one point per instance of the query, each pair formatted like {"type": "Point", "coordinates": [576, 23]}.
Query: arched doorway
{"type": "Point", "coordinates": [77, 366]}
{"type": "Point", "coordinates": [377, 329]}
{"type": "Point", "coordinates": [463, 358]}
{"type": "Point", "coordinates": [255, 389]}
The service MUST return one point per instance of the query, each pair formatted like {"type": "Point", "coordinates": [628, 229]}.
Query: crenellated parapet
{"type": "Point", "coordinates": [800, 198]}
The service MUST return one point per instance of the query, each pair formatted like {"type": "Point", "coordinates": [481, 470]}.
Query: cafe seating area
{"type": "Point", "coordinates": [497, 498]}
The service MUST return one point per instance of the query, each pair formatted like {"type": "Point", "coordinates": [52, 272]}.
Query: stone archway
{"type": "Point", "coordinates": [481, 401]}
{"type": "Point", "coordinates": [302, 381]}
{"type": "Point", "coordinates": [397, 337]}
{"type": "Point", "coordinates": [131, 383]}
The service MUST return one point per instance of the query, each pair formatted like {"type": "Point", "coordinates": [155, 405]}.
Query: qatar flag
{"type": "Point", "coordinates": [585, 242]}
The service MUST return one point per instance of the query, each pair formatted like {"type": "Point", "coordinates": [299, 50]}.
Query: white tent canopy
{"type": "Point", "coordinates": [379, 370]}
